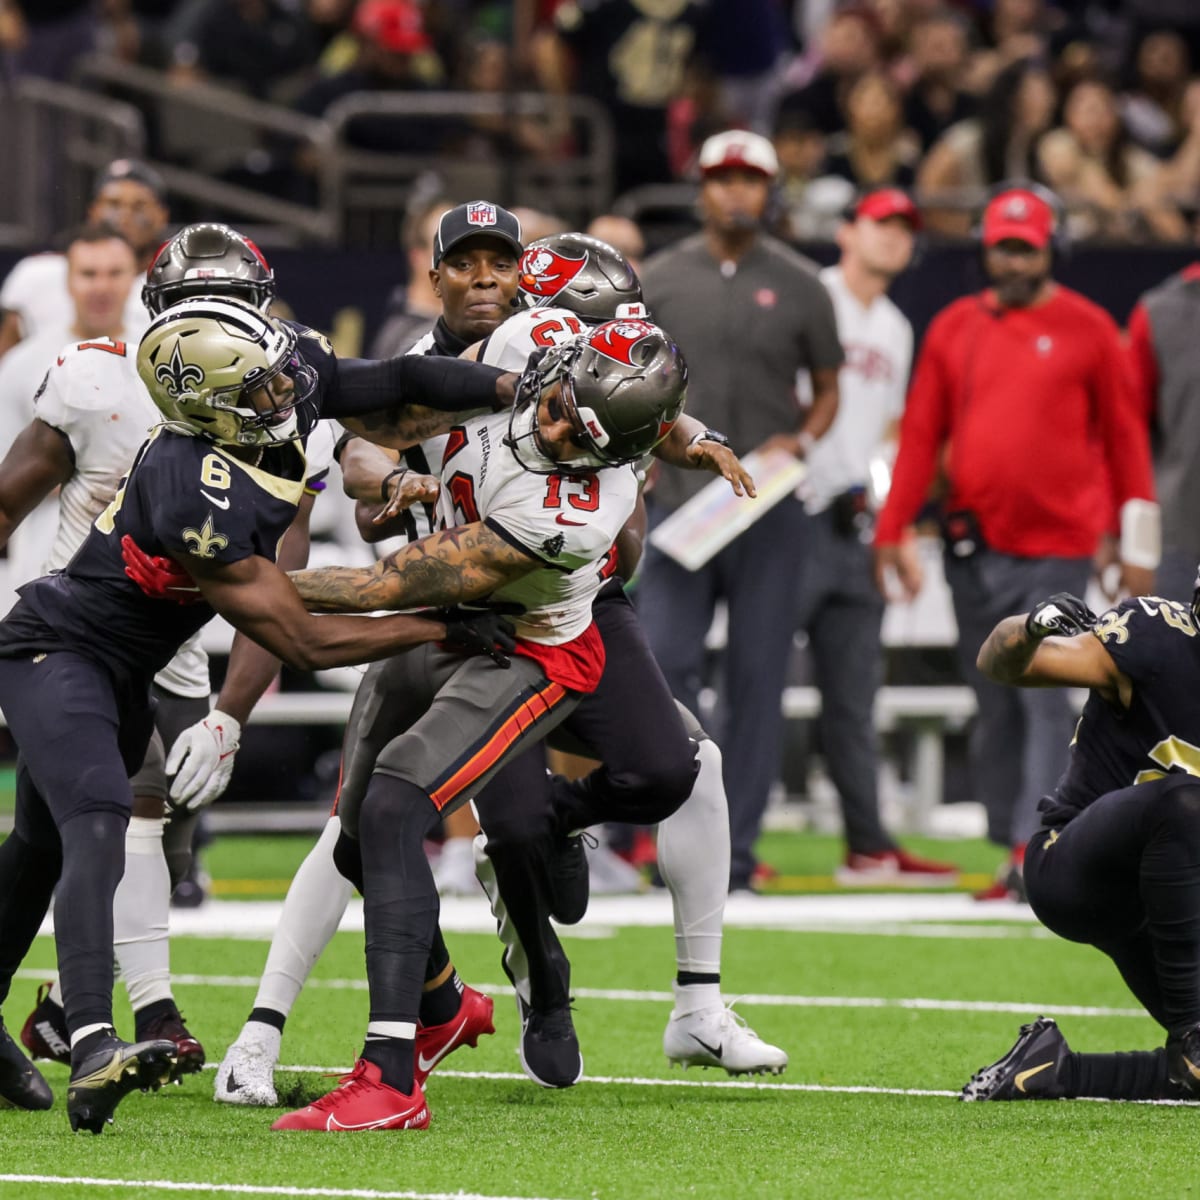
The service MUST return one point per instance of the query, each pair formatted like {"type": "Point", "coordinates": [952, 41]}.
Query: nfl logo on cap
{"type": "Point", "coordinates": [481, 213]}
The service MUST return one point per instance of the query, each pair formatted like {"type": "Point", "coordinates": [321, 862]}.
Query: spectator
{"type": "Point", "coordinates": [1164, 357]}
{"type": "Point", "coordinates": [394, 55]}
{"type": "Point", "coordinates": [850, 47]}
{"type": "Point", "coordinates": [1153, 108]}
{"type": "Point", "coordinates": [748, 314]}
{"type": "Point", "coordinates": [622, 234]}
{"type": "Point", "coordinates": [838, 605]}
{"type": "Point", "coordinates": [129, 196]}
{"type": "Point", "coordinates": [936, 98]}
{"type": "Point", "coordinates": [46, 37]}
{"type": "Point", "coordinates": [875, 150]}
{"type": "Point", "coordinates": [745, 41]}
{"type": "Point", "coordinates": [1022, 393]}
{"type": "Point", "coordinates": [631, 57]}
{"type": "Point", "coordinates": [414, 306]}
{"type": "Point", "coordinates": [1000, 143]}
{"type": "Point", "coordinates": [250, 45]}
{"type": "Point", "coordinates": [810, 201]}
{"type": "Point", "coordinates": [1012, 31]}
{"type": "Point", "coordinates": [1110, 185]}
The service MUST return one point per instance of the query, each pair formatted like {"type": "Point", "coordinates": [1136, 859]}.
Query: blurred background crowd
{"type": "Point", "coordinates": [596, 100]}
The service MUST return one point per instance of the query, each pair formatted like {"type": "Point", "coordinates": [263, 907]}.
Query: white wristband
{"type": "Point", "coordinates": [1141, 534]}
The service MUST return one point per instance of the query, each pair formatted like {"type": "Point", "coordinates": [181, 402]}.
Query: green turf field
{"type": "Point", "coordinates": [866, 1108]}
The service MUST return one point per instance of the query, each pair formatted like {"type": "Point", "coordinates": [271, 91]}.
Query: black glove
{"type": "Point", "coordinates": [1063, 615]}
{"type": "Point", "coordinates": [481, 630]}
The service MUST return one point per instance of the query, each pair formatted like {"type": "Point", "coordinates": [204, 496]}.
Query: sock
{"type": "Point", "coordinates": [143, 1016]}
{"type": "Point", "coordinates": [266, 1016]}
{"type": "Point", "coordinates": [1135, 1075]}
{"type": "Point", "coordinates": [87, 1037]}
{"type": "Point", "coordinates": [390, 1046]}
{"type": "Point", "coordinates": [697, 997]}
{"type": "Point", "coordinates": [442, 997]}
{"type": "Point", "coordinates": [314, 905]}
{"type": "Point", "coordinates": [693, 859]}
{"type": "Point", "coordinates": [141, 909]}
{"type": "Point", "coordinates": [54, 995]}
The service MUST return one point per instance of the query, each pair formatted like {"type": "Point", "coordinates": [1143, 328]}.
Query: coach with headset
{"type": "Point", "coordinates": [749, 313]}
{"type": "Point", "coordinates": [1020, 395]}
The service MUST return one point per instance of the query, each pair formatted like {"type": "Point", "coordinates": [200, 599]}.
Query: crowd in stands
{"type": "Point", "coordinates": [1099, 99]}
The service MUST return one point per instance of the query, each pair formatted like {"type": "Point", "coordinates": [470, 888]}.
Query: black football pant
{"type": "Point", "coordinates": [1124, 876]}
{"type": "Point", "coordinates": [632, 725]}
{"type": "Point", "coordinates": [80, 735]}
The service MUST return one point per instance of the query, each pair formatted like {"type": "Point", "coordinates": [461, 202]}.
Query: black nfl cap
{"type": "Point", "coordinates": [473, 220]}
{"type": "Point", "coordinates": [137, 172]}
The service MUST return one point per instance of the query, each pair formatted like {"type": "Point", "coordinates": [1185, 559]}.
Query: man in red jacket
{"type": "Point", "coordinates": [1020, 395]}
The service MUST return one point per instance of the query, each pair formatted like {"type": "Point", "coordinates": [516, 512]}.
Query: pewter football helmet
{"type": "Point", "coordinates": [581, 274]}
{"type": "Point", "coordinates": [208, 260]}
{"type": "Point", "coordinates": [203, 358]}
{"type": "Point", "coordinates": [624, 385]}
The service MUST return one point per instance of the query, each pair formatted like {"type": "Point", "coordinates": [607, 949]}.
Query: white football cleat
{"type": "Point", "coordinates": [454, 869]}
{"type": "Point", "coordinates": [719, 1037]}
{"type": "Point", "coordinates": [247, 1072]}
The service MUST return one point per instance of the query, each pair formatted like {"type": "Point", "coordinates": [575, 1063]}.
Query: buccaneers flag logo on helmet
{"type": "Point", "coordinates": [617, 339]}
{"type": "Point", "coordinates": [545, 272]}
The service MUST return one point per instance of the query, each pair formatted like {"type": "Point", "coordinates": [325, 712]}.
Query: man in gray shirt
{"type": "Point", "coordinates": [748, 313]}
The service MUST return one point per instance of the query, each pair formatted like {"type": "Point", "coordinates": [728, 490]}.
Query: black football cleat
{"type": "Point", "coordinates": [549, 1048]}
{"type": "Point", "coordinates": [1031, 1070]}
{"type": "Point", "coordinates": [110, 1073]}
{"type": "Point", "coordinates": [21, 1083]}
{"type": "Point", "coordinates": [568, 877]}
{"type": "Point", "coordinates": [1183, 1061]}
{"type": "Point", "coordinates": [189, 1053]}
{"type": "Point", "coordinates": [44, 1033]}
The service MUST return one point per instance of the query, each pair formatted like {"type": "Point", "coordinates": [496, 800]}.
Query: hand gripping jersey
{"type": "Point", "coordinates": [1156, 643]}
{"type": "Point", "coordinates": [185, 498]}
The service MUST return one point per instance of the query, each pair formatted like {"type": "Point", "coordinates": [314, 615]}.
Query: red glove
{"type": "Point", "coordinates": [159, 578]}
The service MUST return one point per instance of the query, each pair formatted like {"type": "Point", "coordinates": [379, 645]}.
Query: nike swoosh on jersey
{"type": "Point", "coordinates": [223, 503]}
{"type": "Point", "coordinates": [1022, 1076]}
{"type": "Point", "coordinates": [564, 521]}
{"type": "Point", "coordinates": [427, 1064]}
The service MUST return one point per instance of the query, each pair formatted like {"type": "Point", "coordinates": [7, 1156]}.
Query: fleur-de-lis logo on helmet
{"type": "Point", "coordinates": [176, 375]}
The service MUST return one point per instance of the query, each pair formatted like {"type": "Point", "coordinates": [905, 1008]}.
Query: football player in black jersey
{"type": "Point", "coordinates": [216, 488]}
{"type": "Point", "coordinates": [1116, 863]}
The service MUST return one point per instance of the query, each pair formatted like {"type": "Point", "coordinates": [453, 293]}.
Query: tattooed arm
{"type": "Point", "coordinates": [465, 563]}
{"type": "Point", "coordinates": [404, 425]}
{"type": "Point", "coordinates": [1012, 655]}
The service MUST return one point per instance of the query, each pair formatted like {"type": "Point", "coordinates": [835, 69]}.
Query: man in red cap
{"type": "Point", "coordinates": [1021, 397]}
{"type": "Point", "coordinates": [750, 314]}
{"type": "Point", "coordinates": [839, 606]}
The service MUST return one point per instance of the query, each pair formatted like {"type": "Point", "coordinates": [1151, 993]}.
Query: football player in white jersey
{"type": "Point", "coordinates": [583, 279]}
{"type": "Point", "coordinates": [429, 729]}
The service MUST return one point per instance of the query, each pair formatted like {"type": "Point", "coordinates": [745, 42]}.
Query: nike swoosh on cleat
{"type": "Point", "coordinates": [1022, 1076]}
{"type": "Point", "coordinates": [427, 1064]}
{"type": "Point", "coordinates": [334, 1123]}
{"type": "Point", "coordinates": [231, 1084]}
{"type": "Point", "coordinates": [715, 1051]}
{"type": "Point", "coordinates": [222, 503]}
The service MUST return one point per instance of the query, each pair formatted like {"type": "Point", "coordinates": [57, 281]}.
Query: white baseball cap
{"type": "Point", "coordinates": [738, 148]}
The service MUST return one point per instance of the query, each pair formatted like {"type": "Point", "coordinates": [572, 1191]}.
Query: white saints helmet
{"type": "Point", "coordinates": [201, 361]}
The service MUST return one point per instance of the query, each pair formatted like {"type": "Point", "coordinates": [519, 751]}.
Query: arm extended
{"type": "Point", "coordinates": [457, 565]}
{"type": "Point", "coordinates": [38, 462]}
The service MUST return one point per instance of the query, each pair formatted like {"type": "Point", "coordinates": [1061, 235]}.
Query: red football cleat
{"type": "Point", "coordinates": [361, 1101]}
{"type": "Point", "coordinates": [44, 1033]}
{"type": "Point", "coordinates": [470, 1023]}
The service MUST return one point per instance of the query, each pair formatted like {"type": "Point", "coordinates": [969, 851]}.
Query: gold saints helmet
{"type": "Point", "coordinates": [203, 359]}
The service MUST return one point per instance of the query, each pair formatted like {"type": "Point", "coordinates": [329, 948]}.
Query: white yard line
{"type": "Point", "coordinates": [762, 999]}
{"type": "Point", "coordinates": [247, 1189]}
{"type": "Point", "coordinates": [923, 915]}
